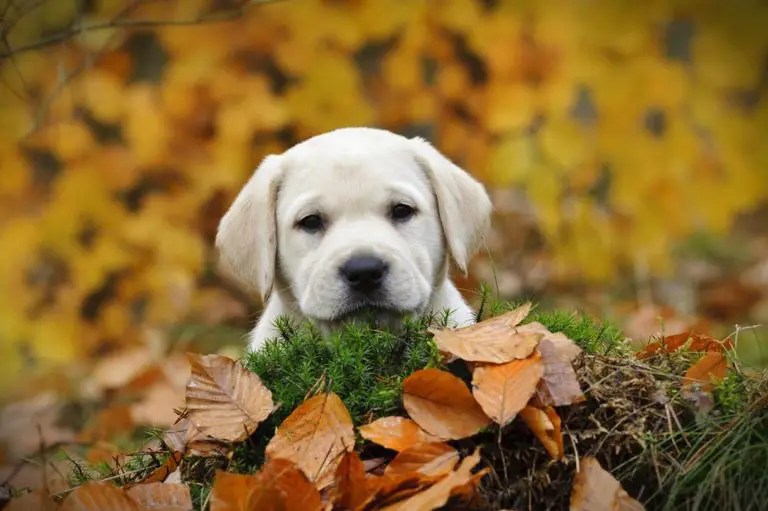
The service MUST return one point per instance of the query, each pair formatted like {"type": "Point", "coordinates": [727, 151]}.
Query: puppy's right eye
{"type": "Point", "coordinates": [310, 223]}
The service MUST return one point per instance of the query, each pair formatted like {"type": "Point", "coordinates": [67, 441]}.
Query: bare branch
{"type": "Point", "coordinates": [121, 22]}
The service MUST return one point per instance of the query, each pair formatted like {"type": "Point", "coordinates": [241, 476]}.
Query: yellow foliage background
{"type": "Point", "coordinates": [628, 124]}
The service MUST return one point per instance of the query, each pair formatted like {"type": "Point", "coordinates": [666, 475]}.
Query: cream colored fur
{"type": "Point", "coordinates": [352, 177]}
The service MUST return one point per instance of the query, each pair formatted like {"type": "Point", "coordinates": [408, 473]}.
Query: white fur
{"type": "Point", "coordinates": [352, 176]}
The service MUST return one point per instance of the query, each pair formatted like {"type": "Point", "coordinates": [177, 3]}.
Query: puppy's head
{"type": "Point", "coordinates": [354, 219]}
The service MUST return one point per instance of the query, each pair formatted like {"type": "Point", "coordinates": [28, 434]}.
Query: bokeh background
{"type": "Point", "coordinates": [624, 144]}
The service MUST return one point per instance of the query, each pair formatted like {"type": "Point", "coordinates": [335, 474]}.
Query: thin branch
{"type": "Point", "coordinates": [118, 22]}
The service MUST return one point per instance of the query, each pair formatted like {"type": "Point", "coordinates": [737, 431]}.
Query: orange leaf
{"type": "Point", "coordinates": [297, 491]}
{"type": "Point", "coordinates": [441, 403]}
{"type": "Point", "coordinates": [186, 438]}
{"type": "Point", "coordinates": [504, 390]}
{"type": "Point", "coordinates": [163, 471]}
{"type": "Point", "coordinates": [396, 433]}
{"type": "Point", "coordinates": [35, 501]}
{"type": "Point", "coordinates": [694, 341]}
{"type": "Point", "coordinates": [594, 489]}
{"type": "Point", "coordinates": [710, 368]}
{"type": "Point", "coordinates": [559, 385]}
{"type": "Point", "coordinates": [161, 496]}
{"type": "Point", "coordinates": [315, 436]}
{"type": "Point", "coordinates": [224, 399]}
{"type": "Point", "coordinates": [239, 492]}
{"type": "Point", "coordinates": [494, 340]}
{"type": "Point", "coordinates": [98, 496]}
{"type": "Point", "coordinates": [568, 349]}
{"type": "Point", "coordinates": [107, 424]}
{"type": "Point", "coordinates": [545, 428]}
{"type": "Point", "coordinates": [429, 459]}
{"type": "Point", "coordinates": [351, 490]}
{"type": "Point", "coordinates": [438, 494]}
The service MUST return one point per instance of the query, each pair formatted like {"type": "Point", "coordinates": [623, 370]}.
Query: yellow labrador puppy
{"type": "Point", "coordinates": [351, 222]}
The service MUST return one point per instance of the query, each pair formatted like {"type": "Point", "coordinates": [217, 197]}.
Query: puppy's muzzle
{"type": "Point", "coordinates": [364, 274]}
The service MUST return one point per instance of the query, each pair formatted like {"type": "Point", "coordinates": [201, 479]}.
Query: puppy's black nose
{"type": "Point", "coordinates": [364, 273]}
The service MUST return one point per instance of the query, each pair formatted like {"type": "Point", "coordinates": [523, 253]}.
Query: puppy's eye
{"type": "Point", "coordinates": [401, 212]}
{"type": "Point", "coordinates": [310, 223]}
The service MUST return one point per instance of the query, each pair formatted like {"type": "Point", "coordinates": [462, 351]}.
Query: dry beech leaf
{"type": "Point", "coordinates": [163, 471]}
{"type": "Point", "coordinates": [390, 489]}
{"type": "Point", "coordinates": [442, 404]}
{"type": "Point", "coordinates": [710, 368]}
{"type": "Point", "coordinates": [224, 399]}
{"type": "Point", "coordinates": [438, 494]}
{"type": "Point", "coordinates": [161, 496]}
{"type": "Point", "coordinates": [240, 492]}
{"type": "Point", "coordinates": [350, 490]}
{"type": "Point", "coordinates": [594, 489]}
{"type": "Point", "coordinates": [296, 490]}
{"type": "Point", "coordinates": [108, 424]}
{"type": "Point", "coordinates": [503, 390]}
{"type": "Point", "coordinates": [428, 459]}
{"type": "Point", "coordinates": [315, 436]}
{"type": "Point", "coordinates": [545, 428]}
{"type": "Point", "coordinates": [494, 340]}
{"type": "Point", "coordinates": [35, 501]}
{"type": "Point", "coordinates": [559, 386]}
{"type": "Point", "coordinates": [693, 341]}
{"type": "Point", "coordinates": [186, 438]}
{"type": "Point", "coordinates": [98, 496]}
{"type": "Point", "coordinates": [564, 345]}
{"type": "Point", "coordinates": [396, 433]}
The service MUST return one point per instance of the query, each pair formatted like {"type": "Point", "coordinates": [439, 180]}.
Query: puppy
{"type": "Point", "coordinates": [354, 222]}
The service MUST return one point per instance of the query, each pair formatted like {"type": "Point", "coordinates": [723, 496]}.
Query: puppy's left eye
{"type": "Point", "coordinates": [401, 212]}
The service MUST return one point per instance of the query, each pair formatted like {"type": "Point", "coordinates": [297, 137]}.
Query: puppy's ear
{"type": "Point", "coordinates": [247, 236]}
{"type": "Point", "coordinates": [463, 203]}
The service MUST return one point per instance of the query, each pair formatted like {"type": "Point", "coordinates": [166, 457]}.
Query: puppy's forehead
{"type": "Point", "coordinates": [341, 178]}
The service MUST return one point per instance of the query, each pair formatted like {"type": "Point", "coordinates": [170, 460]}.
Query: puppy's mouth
{"type": "Point", "coordinates": [366, 312]}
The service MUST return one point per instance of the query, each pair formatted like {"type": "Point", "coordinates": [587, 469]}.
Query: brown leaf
{"type": "Point", "coordinates": [296, 490]}
{"type": "Point", "coordinates": [108, 424]}
{"type": "Point", "coordinates": [594, 489]}
{"type": "Point", "coordinates": [438, 494]}
{"type": "Point", "coordinates": [442, 404]}
{"type": "Point", "coordinates": [559, 385]}
{"type": "Point", "coordinates": [161, 496]}
{"type": "Point", "coordinates": [315, 436]}
{"type": "Point", "coordinates": [350, 491]}
{"type": "Point", "coordinates": [239, 492]}
{"type": "Point", "coordinates": [34, 501]}
{"type": "Point", "coordinates": [429, 459]}
{"type": "Point", "coordinates": [157, 405]}
{"type": "Point", "coordinates": [225, 400]}
{"type": "Point", "coordinates": [25, 424]}
{"type": "Point", "coordinates": [545, 428]}
{"type": "Point", "coordinates": [710, 368]}
{"type": "Point", "coordinates": [689, 339]}
{"type": "Point", "coordinates": [562, 343]}
{"type": "Point", "coordinates": [163, 471]}
{"type": "Point", "coordinates": [504, 390]}
{"type": "Point", "coordinates": [185, 437]}
{"type": "Point", "coordinates": [390, 489]}
{"type": "Point", "coordinates": [98, 496]}
{"type": "Point", "coordinates": [494, 340]}
{"type": "Point", "coordinates": [396, 433]}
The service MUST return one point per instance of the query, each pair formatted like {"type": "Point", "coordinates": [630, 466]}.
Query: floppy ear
{"type": "Point", "coordinates": [247, 236]}
{"type": "Point", "coordinates": [463, 203]}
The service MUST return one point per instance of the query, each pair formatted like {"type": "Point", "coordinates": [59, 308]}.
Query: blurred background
{"type": "Point", "coordinates": [624, 144]}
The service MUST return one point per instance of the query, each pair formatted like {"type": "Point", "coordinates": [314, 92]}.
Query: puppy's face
{"type": "Point", "coordinates": [358, 231]}
{"type": "Point", "coordinates": [353, 220]}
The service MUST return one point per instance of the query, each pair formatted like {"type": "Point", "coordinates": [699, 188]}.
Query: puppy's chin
{"type": "Point", "coordinates": [374, 315]}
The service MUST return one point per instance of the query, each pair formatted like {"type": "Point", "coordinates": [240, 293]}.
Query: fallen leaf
{"type": "Point", "coordinates": [350, 490]}
{"type": "Point", "coordinates": [563, 344]}
{"type": "Point", "coordinates": [494, 340]}
{"type": "Point", "coordinates": [240, 492]}
{"type": "Point", "coordinates": [161, 496]}
{"type": "Point", "coordinates": [185, 437]}
{"type": "Point", "coordinates": [163, 471]}
{"type": "Point", "coordinates": [438, 494]}
{"type": "Point", "coordinates": [157, 405]}
{"type": "Point", "coordinates": [429, 459]}
{"type": "Point", "coordinates": [503, 390]}
{"type": "Point", "coordinates": [296, 490]}
{"type": "Point", "coordinates": [559, 385]}
{"type": "Point", "coordinates": [390, 489]}
{"type": "Point", "coordinates": [594, 489]}
{"type": "Point", "coordinates": [98, 496]}
{"type": "Point", "coordinates": [442, 404]}
{"type": "Point", "coordinates": [34, 501]}
{"type": "Point", "coordinates": [315, 436]}
{"type": "Point", "coordinates": [224, 399]}
{"type": "Point", "coordinates": [692, 340]}
{"type": "Point", "coordinates": [107, 424]}
{"type": "Point", "coordinates": [28, 424]}
{"type": "Point", "coordinates": [546, 430]}
{"type": "Point", "coordinates": [710, 368]}
{"type": "Point", "coordinates": [396, 433]}
{"type": "Point", "coordinates": [118, 369]}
